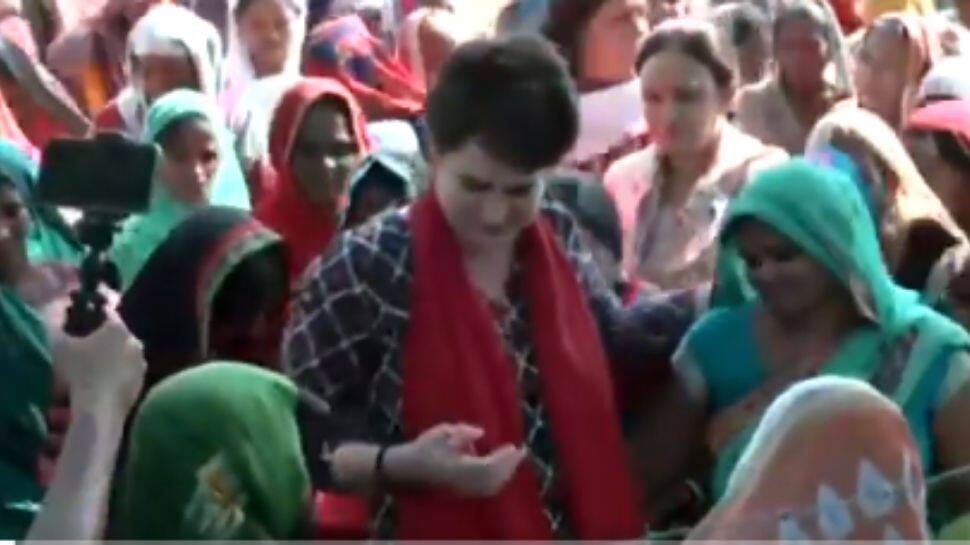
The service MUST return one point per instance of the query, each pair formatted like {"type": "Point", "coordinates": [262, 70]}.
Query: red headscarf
{"type": "Point", "coordinates": [952, 116]}
{"type": "Point", "coordinates": [305, 229]}
{"type": "Point", "coordinates": [345, 50]}
{"type": "Point", "coordinates": [456, 370]}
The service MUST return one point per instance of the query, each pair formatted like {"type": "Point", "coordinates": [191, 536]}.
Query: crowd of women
{"type": "Point", "coordinates": [522, 269]}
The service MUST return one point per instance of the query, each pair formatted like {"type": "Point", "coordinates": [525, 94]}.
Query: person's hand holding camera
{"type": "Point", "coordinates": [105, 370]}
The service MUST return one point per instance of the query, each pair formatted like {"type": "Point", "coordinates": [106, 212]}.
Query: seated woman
{"type": "Point", "coordinates": [197, 168]}
{"type": "Point", "coordinates": [169, 48]}
{"type": "Point", "coordinates": [599, 40]}
{"type": "Point", "coordinates": [811, 77]}
{"type": "Point", "coordinates": [914, 226]}
{"type": "Point", "coordinates": [672, 196]}
{"type": "Point", "coordinates": [803, 291]}
{"type": "Point", "coordinates": [215, 288]}
{"type": "Point", "coordinates": [317, 137]}
{"type": "Point", "coordinates": [850, 467]}
{"type": "Point", "coordinates": [480, 287]}
{"type": "Point", "coordinates": [215, 455]}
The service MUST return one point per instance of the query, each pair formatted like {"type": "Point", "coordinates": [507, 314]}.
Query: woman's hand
{"type": "Point", "coordinates": [443, 457]}
{"type": "Point", "coordinates": [104, 370]}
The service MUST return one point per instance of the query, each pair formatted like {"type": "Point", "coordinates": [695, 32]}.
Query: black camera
{"type": "Point", "coordinates": [107, 178]}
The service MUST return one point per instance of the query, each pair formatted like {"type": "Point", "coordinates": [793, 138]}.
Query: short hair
{"type": "Point", "coordinates": [566, 25]}
{"type": "Point", "coordinates": [747, 22]}
{"type": "Point", "coordinates": [808, 10]}
{"type": "Point", "coordinates": [697, 40]}
{"type": "Point", "coordinates": [511, 95]}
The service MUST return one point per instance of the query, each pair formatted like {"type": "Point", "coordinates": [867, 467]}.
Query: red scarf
{"type": "Point", "coordinates": [456, 370]}
{"type": "Point", "coordinates": [305, 229]}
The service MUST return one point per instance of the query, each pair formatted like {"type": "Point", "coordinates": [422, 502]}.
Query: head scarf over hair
{"type": "Point", "coordinates": [184, 276]}
{"type": "Point", "coordinates": [343, 49]}
{"type": "Point", "coordinates": [215, 454]}
{"type": "Point", "coordinates": [831, 460]}
{"type": "Point", "coordinates": [284, 209]}
{"type": "Point", "coordinates": [949, 79]}
{"type": "Point", "coordinates": [174, 31]}
{"type": "Point", "coordinates": [142, 234]}
{"type": "Point", "coordinates": [50, 238]}
{"type": "Point", "coordinates": [239, 65]}
{"type": "Point", "coordinates": [904, 206]}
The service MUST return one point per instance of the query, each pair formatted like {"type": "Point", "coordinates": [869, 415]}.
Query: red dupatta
{"type": "Point", "coordinates": [305, 229]}
{"type": "Point", "coordinates": [456, 370]}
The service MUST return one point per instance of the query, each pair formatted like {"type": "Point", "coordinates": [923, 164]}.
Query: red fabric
{"type": "Point", "coordinates": [11, 131]}
{"type": "Point", "coordinates": [847, 14]}
{"type": "Point", "coordinates": [456, 370]}
{"type": "Point", "coordinates": [109, 119]}
{"type": "Point", "coordinates": [305, 229]}
{"type": "Point", "coordinates": [951, 116]}
{"type": "Point", "coordinates": [341, 517]}
{"type": "Point", "coordinates": [343, 49]}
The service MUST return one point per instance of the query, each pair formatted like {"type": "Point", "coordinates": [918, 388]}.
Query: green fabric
{"type": "Point", "coordinates": [50, 238]}
{"type": "Point", "coordinates": [215, 454]}
{"type": "Point", "coordinates": [822, 212]}
{"type": "Point", "coordinates": [142, 234]}
{"type": "Point", "coordinates": [25, 396]}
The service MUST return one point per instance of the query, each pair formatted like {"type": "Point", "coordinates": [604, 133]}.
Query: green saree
{"type": "Point", "coordinates": [25, 396]}
{"type": "Point", "coordinates": [905, 353]}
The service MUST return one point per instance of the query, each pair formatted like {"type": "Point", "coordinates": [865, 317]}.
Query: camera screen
{"type": "Point", "coordinates": [107, 175]}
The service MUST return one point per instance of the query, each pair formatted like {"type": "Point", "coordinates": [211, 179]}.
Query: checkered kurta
{"type": "Point", "coordinates": [344, 345]}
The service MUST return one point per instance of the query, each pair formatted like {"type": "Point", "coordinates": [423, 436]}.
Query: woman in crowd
{"type": "Point", "coordinates": [672, 196]}
{"type": "Point", "coordinates": [43, 107]}
{"type": "Point", "coordinates": [197, 168]}
{"type": "Point", "coordinates": [938, 137]}
{"type": "Point", "coordinates": [265, 39]}
{"type": "Point", "coordinates": [215, 455]}
{"type": "Point", "coordinates": [169, 48]}
{"type": "Point", "coordinates": [344, 49]}
{"type": "Point", "coordinates": [914, 227]}
{"type": "Point", "coordinates": [599, 40]}
{"type": "Point", "coordinates": [439, 293]}
{"type": "Point", "coordinates": [317, 138]}
{"type": "Point", "coordinates": [746, 28]}
{"type": "Point", "coordinates": [383, 182]}
{"type": "Point", "coordinates": [222, 279]}
{"type": "Point", "coordinates": [90, 58]}
{"type": "Point", "coordinates": [803, 291]}
{"type": "Point", "coordinates": [811, 77]}
{"type": "Point", "coordinates": [850, 467]}
{"type": "Point", "coordinates": [895, 53]}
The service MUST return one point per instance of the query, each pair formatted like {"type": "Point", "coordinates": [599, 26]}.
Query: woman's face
{"type": "Point", "coordinates": [946, 180]}
{"type": "Point", "coordinates": [264, 30]}
{"type": "Point", "coordinates": [190, 162]}
{"type": "Point", "coordinates": [324, 155]}
{"type": "Point", "coordinates": [881, 72]}
{"type": "Point", "coordinates": [682, 102]}
{"type": "Point", "coordinates": [611, 40]}
{"type": "Point", "coordinates": [487, 202]}
{"type": "Point", "coordinates": [801, 53]}
{"type": "Point", "coordinates": [788, 281]}
{"type": "Point", "coordinates": [14, 225]}
{"type": "Point", "coordinates": [161, 74]}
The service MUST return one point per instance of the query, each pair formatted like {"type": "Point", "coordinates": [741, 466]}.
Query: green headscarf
{"type": "Point", "coordinates": [50, 238]}
{"type": "Point", "coordinates": [25, 396]}
{"type": "Point", "coordinates": [823, 212]}
{"type": "Point", "coordinates": [142, 234]}
{"type": "Point", "coordinates": [215, 454]}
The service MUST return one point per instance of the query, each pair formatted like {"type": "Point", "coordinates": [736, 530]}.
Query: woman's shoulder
{"type": "Point", "coordinates": [630, 170]}
{"type": "Point", "coordinates": [720, 324]}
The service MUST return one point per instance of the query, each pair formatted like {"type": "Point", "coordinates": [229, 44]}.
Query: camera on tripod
{"type": "Point", "coordinates": [108, 179]}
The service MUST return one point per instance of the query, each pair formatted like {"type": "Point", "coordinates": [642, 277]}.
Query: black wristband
{"type": "Point", "coordinates": [379, 475]}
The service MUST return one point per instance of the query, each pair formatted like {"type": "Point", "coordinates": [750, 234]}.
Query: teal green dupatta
{"type": "Point", "coordinates": [823, 212]}
{"type": "Point", "coordinates": [142, 234]}
{"type": "Point", "coordinates": [25, 396]}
